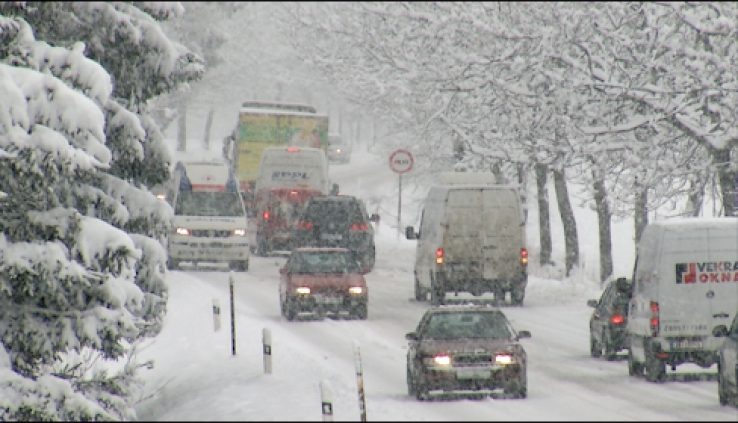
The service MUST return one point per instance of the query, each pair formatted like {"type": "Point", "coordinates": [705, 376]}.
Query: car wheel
{"type": "Point", "coordinates": [419, 294]}
{"type": "Point", "coordinates": [722, 392]}
{"type": "Point", "coordinates": [411, 390]}
{"type": "Point", "coordinates": [438, 293]}
{"type": "Point", "coordinates": [172, 264]}
{"type": "Point", "coordinates": [610, 352]}
{"type": "Point", "coordinates": [370, 259]}
{"type": "Point", "coordinates": [290, 310]}
{"type": "Point", "coordinates": [516, 296]}
{"type": "Point", "coordinates": [594, 347]}
{"type": "Point", "coordinates": [361, 311]}
{"type": "Point", "coordinates": [655, 367]}
{"type": "Point", "coordinates": [634, 368]}
{"type": "Point", "coordinates": [498, 295]}
{"type": "Point", "coordinates": [419, 388]}
{"type": "Point", "coordinates": [517, 388]}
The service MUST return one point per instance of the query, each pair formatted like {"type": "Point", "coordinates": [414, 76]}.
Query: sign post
{"type": "Point", "coordinates": [401, 161]}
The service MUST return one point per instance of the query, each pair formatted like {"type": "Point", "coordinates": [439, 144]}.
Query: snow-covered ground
{"type": "Point", "coordinates": [196, 377]}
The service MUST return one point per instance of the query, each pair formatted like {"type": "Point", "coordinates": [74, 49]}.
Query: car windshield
{"type": "Point", "coordinates": [322, 262]}
{"type": "Point", "coordinates": [467, 325]}
{"type": "Point", "coordinates": [208, 204]}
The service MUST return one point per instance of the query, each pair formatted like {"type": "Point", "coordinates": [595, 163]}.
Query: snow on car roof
{"type": "Point", "coordinates": [320, 249]}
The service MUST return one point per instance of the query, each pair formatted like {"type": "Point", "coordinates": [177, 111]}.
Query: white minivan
{"type": "Point", "coordinates": [471, 239]}
{"type": "Point", "coordinates": [685, 284]}
{"type": "Point", "coordinates": [210, 221]}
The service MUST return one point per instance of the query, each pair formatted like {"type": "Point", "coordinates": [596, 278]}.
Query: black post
{"type": "Point", "coordinates": [233, 317]}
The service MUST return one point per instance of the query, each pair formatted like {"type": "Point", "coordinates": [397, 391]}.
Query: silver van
{"type": "Point", "coordinates": [471, 239]}
{"type": "Point", "coordinates": [685, 284]}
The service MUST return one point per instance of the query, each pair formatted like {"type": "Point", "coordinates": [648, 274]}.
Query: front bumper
{"type": "Point", "coordinates": [328, 304]}
{"type": "Point", "coordinates": [472, 378]}
{"type": "Point", "coordinates": [189, 248]}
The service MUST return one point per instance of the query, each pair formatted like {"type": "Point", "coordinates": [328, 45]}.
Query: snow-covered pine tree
{"type": "Point", "coordinates": [81, 263]}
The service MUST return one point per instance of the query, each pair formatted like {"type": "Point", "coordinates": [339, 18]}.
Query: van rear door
{"type": "Point", "coordinates": [501, 234]}
{"type": "Point", "coordinates": [723, 280]}
{"type": "Point", "coordinates": [463, 243]}
{"type": "Point", "coordinates": [684, 304]}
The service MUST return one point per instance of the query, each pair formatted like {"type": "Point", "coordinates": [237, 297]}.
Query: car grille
{"type": "Point", "coordinates": [211, 233]}
{"type": "Point", "coordinates": [467, 360]}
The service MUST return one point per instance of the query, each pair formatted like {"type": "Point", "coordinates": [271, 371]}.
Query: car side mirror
{"type": "Point", "coordinates": [283, 271]}
{"type": "Point", "coordinates": [720, 331]}
{"type": "Point", "coordinates": [524, 334]}
{"type": "Point", "coordinates": [592, 303]}
{"type": "Point", "coordinates": [374, 218]}
{"type": "Point", "coordinates": [410, 233]}
{"type": "Point", "coordinates": [412, 336]}
{"type": "Point", "coordinates": [365, 270]}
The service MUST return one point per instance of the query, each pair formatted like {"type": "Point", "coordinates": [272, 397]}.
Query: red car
{"type": "Point", "coordinates": [322, 281]}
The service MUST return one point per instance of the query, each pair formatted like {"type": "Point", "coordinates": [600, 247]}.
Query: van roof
{"type": "Point", "coordinates": [697, 222]}
{"type": "Point", "coordinates": [482, 185]}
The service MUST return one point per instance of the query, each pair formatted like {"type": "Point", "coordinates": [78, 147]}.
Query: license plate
{"type": "Point", "coordinates": [686, 344]}
{"type": "Point", "coordinates": [331, 237]}
{"type": "Point", "coordinates": [329, 300]}
{"type": "Point", "coordinates": [473, 373]}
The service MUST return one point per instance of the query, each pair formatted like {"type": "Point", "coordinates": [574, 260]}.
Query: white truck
{"type": "Point", "coordinates": [210, 221]}
{"type": "Point", "coordinates": [471, 239]}
{"type": "Point", "coordinates": [685, 284]}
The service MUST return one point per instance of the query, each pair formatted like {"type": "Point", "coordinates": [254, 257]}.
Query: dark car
{"type": "Point", "coordinates": [609, 319]}
{"type": "Point", "coordinates": [466, 348]}
{"type": "Point", "coordinates": [322, 281]}
{"type": "Point", "coordinates": [728, 363]}
{"type": "Point", "coordinates": [337, 221]}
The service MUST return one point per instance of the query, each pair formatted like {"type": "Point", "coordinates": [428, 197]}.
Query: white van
{"type": "Point", "coordinates": [685, 284]}
{"type": "Point", "coordinates": [471, 239]}
{"type": "Point", "coordinates": [210, 222]}
{"type": "Point", "coordinates": [293, 167]}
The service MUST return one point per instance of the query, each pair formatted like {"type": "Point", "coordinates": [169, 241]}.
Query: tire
{"type": "Point", "coordinates": [655, 367]}
{"type": "Point", "coordinates": [610, 352]}
{"type": "Point", "coordinates": [517, 389]}
{"type": "Point", "coordinates": [438, 293]}
{"type": "Point", "coordinates": [411, 390]}
{"type": "Point", "coordinates": [370, 259]}
{"type": "Point", "coordinates": [595, 350]}
{"type": "Point", "coordinates": [290, 312]}
{"type": "Point", "coordinates": [634, 368]}
{"type": "Point", "coordinates": [419, 294]}
{"type": "Point", "coordinates": [723, 394]}
{"type": "Point", "coordinates": [516, 296]}
{"type": "Point", "coordinates": [361, 311]}
{"type": "Point", "coordinates": [417, 389]}
{"type": "Point", "coordinates": [499, 296]}
{"type": "Point", "coordinates": [172, 264]}
{"type": "Point", "coordinates": [262, 247]}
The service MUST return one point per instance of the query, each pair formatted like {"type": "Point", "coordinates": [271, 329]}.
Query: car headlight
{"type": "Point", "coordinates": [356, 290]}
{"type": "Point", "coordinates": [504, 359]}
{"type": "Point", "coordinates": [238, 232]}
{"type": "Point", "coordinates": [183, 231]}
{"type": "Point", "coordinates": [439, 360]}
{"type": "Point", "coordinates": [303, 290]}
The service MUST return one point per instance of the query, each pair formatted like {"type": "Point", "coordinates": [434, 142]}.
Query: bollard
{"type": "Point", "coordinates": [216, 314]}
{"type": "Point", "coordinates": [360, 381]}
{"type": "Point", "coordinates": [266, 339]}
{"type": "Point", "coordinates": [233, 316]}
{"type": "Point", "coordinates": [326, 402]}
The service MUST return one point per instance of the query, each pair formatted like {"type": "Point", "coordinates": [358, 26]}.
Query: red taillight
{"type": "Point", "coordinates": [524, 256]}
{"type": "Point", "coordinates": [439, 256]}
{"type": "Point", "coordinates": [617, 320]}
{"type": "Point", "coordinates": [654, 318]}
{"type": "Point", "coordinates": [304, 225]}
{"type": "Point", "coordinates": [266, 215]}
{"type": "Point", "coordinates": [293, 192]}
{"type": "Point", "coordinates": [293, 149]}
{"type": "Point", "coordinates": [361, 227]}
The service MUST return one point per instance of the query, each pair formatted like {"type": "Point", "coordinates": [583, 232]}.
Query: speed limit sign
{"type": "Point", "coordinates": [401, 161]}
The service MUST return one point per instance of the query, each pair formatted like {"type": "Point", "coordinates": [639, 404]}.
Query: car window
{"type": "Point", "coordinates": [467, 325]}
{"type": "Point", "coordinates": [322, 262]}
{"type": "Point", "coordinates": [606, 298]}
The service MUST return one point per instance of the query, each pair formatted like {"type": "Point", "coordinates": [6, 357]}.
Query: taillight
{"type": "Point", "coordinates": [361, 227]}
{"type": "Point", "coordinates": [524, 256]}
{"type": "Point", "coordinates": [439, 256]}
{"type": "Point", "coordinates": [654, 318]}
{"type": "Point", "coordinates": [265, 215]}
{"type": "Point", "coordinates": [617, 320]}
{"type": "Point", "coordinates": [304, 225]}
{"type": "Point", "coordinates": [293, 149]}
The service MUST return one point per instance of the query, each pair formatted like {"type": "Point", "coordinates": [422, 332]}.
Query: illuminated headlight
{"type": "Point", "coordinates": [356, 290]}
{"type": "Point", "coordinates": [238, 232]}
{"type": "Point", "coordinates": [338, 150]}
{"type": "Point", "coordinates": [161, 197]}
{"type": "Point", "coordinates": [503, 359]}
{"type": "Point", "coordinates": [183, 231]}
{"type": "Point", "coordinates": [303, 290]}
{"type": "Point", "coordinates": [439, 360]}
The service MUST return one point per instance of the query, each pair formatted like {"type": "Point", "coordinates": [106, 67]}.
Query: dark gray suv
{"type": "Point", "coordinates": [337, 221]}
{"type": "Point", "coordinates": [728, 363]}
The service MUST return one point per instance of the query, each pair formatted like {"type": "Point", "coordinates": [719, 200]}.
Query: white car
{"type": "Point", "coordinates": [338, 149]}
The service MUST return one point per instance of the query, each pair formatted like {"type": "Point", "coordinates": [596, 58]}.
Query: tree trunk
{"type": "Point", "coordinates": [571, 239]}
{"type": "Point", "coordinates": [695, 196]}
{"type": "Point", "coordinates": [544, 218]}
{"type": "Point", "coordinates": [640, 215]}
{"type": "Point", "coordinates": [208, 125]}
{"type": "Point", "coordinates": [727, 181]}
{"type": "Point", "coordinates": [603, 219]}
{"type": "Point", "coordinates": [182, 132]}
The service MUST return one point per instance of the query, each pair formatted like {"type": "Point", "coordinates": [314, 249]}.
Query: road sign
{"type": "Point", "coordinates": [401, 161]}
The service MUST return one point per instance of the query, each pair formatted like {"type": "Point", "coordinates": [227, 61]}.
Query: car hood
{"type": "Point", "coordinates": [477, 346]}
{"type": "Point", "coordinates": [323, 280]}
